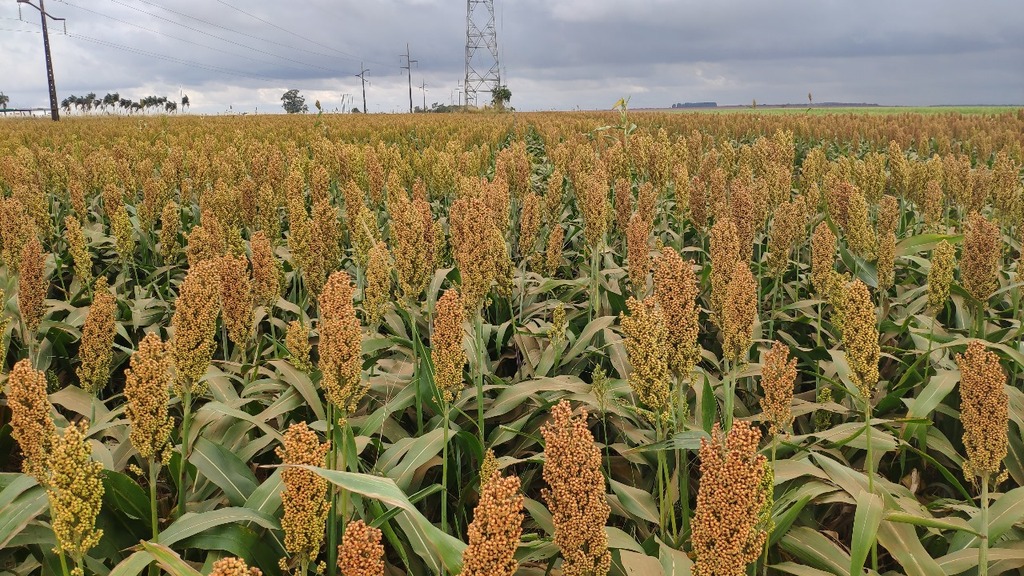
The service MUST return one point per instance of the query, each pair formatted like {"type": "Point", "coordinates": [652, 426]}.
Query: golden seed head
{"type": "Point", "coordinates": [327, 232]}
{"type": "Point", "coordinates": [981, 256]}
{"type": "Point", "coordinates": [888, 214]}
{"type": "Point", "coordinates": [304, 497]}
{"type": "Point", "coordinates": [361, 552]}
{"type": "Point", "coordinates": [859, 328]}
{"type": "Point", "coordinates": [599, 388]}
{"type": "Point", "coordinates": [266, 271]}
{"type": "Point", "coordinates": [340, 344]}
{"type": "Point", "coordinates": [446, 345]}
{"type": "Point", "coordinates": [725, 252]}
{"type": "Point", "coordinates": [170, 227]}
{"type": "Point", "coordinates": [236, 297]}
{"type": "Point", "coordinates": [556, 332]}
{"type": "Point", "coordinates": [79, 250]}
{"type": "Point", "coordinates": [932, 209]}
{"type": "Point", "coordinates": [592, 193]}
{"type": "Point", "coordinates": [859, 236]}
{"type": "Point", "coordinates": [886, 262]}
{"type": "Point", "coordinates": [488, 467]}
{"type": "Point", "coordinates": [194, 325]}
{"type": "Point", "coordinates": [553, 259]}
{"type": "Point", "coordinates": [475, 248]}
{"type": "Point", "coordinates": [637, 236]}
{"type": "Point", "coordinates": [206, 241]}
{"type": "Point", "coordinates": [75, 490]}
{"type": "Point", "coordinates": [496, 529]}
{"type": "Point", "coordinates": [648, 351]}
{"type": "Point", "coordinates": [576, 493]}
{"type": "Point", "coordinates": [412, 244]}
{"type": "Point", "coordinates": [983, 410]}
{"type": "Point", "coordinates": [31, 423]}
{"type": "Point", "coordinates": [32, 284]}
{"type": "Point", "coordinates": [623, 203]}
{"type": "Point", "coordinates": [377, 294]}
{"type": "Point", "coordinates": [16, 228]}
{"type": "Point", "coordinates": [233, 567]}
{"type": "Point", "coordinates": [823, 259]}
{"type": "Point", "coordinates": [296, 340]}
{"type": "Point", "coordinates": [940, 276]}
{"type": "Point", "coordinates": [97, 344]}
{"type": "Point", "coordinates": [123, 231]}
{"type": "Point", "coordinates": [729, 530]}
{"type": "Point", "coordinates": [147, 391]}
{"type": "Point", "coordinates": [529, 225]}
{"type": "Point", "coordinates": [786, 232]}
{"type": "Point", "coordinates": [743, 214]}
{"type": "Point", "coordinates": [778, 377]}
{"type": "Point", "coordinates": [739, 314]}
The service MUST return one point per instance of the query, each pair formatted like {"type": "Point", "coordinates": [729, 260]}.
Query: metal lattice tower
{"type": "Point", "coordinates": [482, 71]}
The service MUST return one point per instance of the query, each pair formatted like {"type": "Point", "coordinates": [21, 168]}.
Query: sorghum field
{"type": "Point", "coordinates": [577, 344]}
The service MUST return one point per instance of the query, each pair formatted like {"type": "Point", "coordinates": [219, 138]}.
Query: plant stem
{"type": "Point", "coordinates": [332, 513]}
{"type": "Point", "coordinates": [416, 376]}
{"type": "Point", "coordinates": [983, 549]}
{"type": "Point", "coordinates": [478, 330]}
{"type": "Point", "coordinates": [63, 563]}
{"type": "Point", "coordinates": [595, 264]}
{"type": "Point", "coordinates": [870, 471]}
{"type": "Point", "coordinates": [186, 423]}
{"type": "Point", "coordinates": [730, 392]}
{"type": "Point", "coordinates": [445, 406]}
{"type": "Point", "coordinates": [154, 471]}
{"type": "Point", "coordinates": [764, 562]}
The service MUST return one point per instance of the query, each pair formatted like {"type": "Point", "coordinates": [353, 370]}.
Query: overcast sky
{"type": "Point", "coordinates": [555, 54]}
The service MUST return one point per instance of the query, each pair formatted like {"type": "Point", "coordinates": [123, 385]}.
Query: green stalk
{"type": "Point", "coordinates": [595, 264]}
{"type": "Point", "coordinates": [63, 562]}
{"type": "Point", "coordinates": [983, 549]}
{"type": "Point", "coordinates": [662, 513]}
{"type": "Point", "coordinates": [730, 392]}
{"type": "Point", "coordinates": [870, 470]}
{"type": "Point", "coordinates": [764, 562]}
{"type": "Point", "coordinates": [332, 513]}
{"type": "Point", "coordinates": [445, 406]}
{"type": "Point", "coordinates": [478, 329]}
{"type": "Point", "coordinates": [416, 376]}
{"type": "Point", "coordinates": [186, 423]}
{"type": "Point", "coordinates": [154, 471]}
{"type": "Point", "coordinates": [776, 289]}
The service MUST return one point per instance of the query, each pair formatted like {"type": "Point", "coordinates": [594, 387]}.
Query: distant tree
{"type": "Point", "coordinates": [293, 102]}
{"type": "Point", "coordinates": [184, 102]}
{"type": "Point", "coordinates": [4, 100]}
{"type": "Point", "coordinates": [500, 96]}
{"type": "Point", "coordinates": [355, 110]}
{"type": "Point", "coordinates": [171, 106]}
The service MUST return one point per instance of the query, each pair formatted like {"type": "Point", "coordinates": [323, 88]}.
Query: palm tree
{"type": "Point", "coordinates": [4, 100]}
{"type": "Point", "coordinates": [184, 101]}
{"type": "Point", "coordinates": [171, 106]}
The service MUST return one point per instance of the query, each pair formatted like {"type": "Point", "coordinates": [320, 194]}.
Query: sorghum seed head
{"type": "Point", "coordinates": [97, 342]}
{"type": "Point", "coordinates": [637, 236]}
{"type": "Point", "coordinates": [983, 410]}
{"type": "Point", "coordinates": [980, 258]}
{"type": "Point", "coordinates": [296, 340]}
{"type": "Point", "coordinates": [377, 294]}
{"type": "Point", "coordinates": [446, 345]}
{"type": "Point", "coordinates": [823, 259]}
{"type": "Point", "coordinates": [79, 250]}
{"type": "Point", "coordinates": [860, 337]}
{"type": "Point", "coordinates": [75, 490]}
{"type": "Point", "coordinates": [728, 524]}
{"type": "Point", "coordinates": [576, 493]}
{"type": "Point", "coordinates": [739, 314]}
{"type": "Point", "coordinates": [305, 492]}
{"type": "Point", "coordinates": [236, 296]}
{"type": "Point", "coordinates": [340, 344]}
{"type": "Point", "coordinates": [266, 271]}
{"type": "Point", "coordinates": [32, 284]}
{"type": "Point", "coordinates": [233, 567]}
{"type": "Point", "coordinates": [725, 252]}
{"type": "Point", "coordinates": [648, 351]}
{"type": "Point", "coordinates": [31, 423]}
{"type": "Point", "coordinates": [940, 276]}
{"type": "Point", "coordinates": [778, 377]}
{"type": "Point", "coordinates": [195, 325]}
{"type": "Point", "coordinates": [147, 391]}
{"type": "Point", "coordinates": [361, 552]}
{"type": "Point", "coordinates": [496, 529]}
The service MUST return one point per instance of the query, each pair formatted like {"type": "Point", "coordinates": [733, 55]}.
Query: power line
{"type": "Point", "coordinates": [285, 30]}
{"type": "Point", "coordinates": [171, 36]}
{"type": "Point", "coordinates": [222, 39]}
{"type": "Point", "coordinates": [222, 27]}
{"type": "Point", "coordinates": [174, 59]}
{"type": "Point", "coordinates": [408, 66]}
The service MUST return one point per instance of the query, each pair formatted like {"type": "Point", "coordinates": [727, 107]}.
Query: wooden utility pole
{"type": "Point", "coordinates": [408, 66]}
{"type": "Point", "coordinates": [362, 76]}
{"type": "Point", "coordinates": [54, 113]}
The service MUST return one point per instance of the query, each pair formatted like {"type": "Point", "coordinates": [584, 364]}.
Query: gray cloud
{"type": "Point", "coordinates": [556, 54]}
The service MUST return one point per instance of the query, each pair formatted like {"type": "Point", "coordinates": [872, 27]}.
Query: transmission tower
{"type": "Point", "coordinates": [482, 71]}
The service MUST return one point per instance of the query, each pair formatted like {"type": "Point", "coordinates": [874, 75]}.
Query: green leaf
{"type": "Point", "coordinates": [814, 548]}
{"type": "Point", "coordinates": [124, 494]}
{"type": "Point", "coordinates": [418, 453]}
{"type": "Point", "coordinates": [169, 560]}
{"type": "Point", "coordinates": [638, 564]}
{"type": "Point", "coordinates": [1003, 514]}
{"type": "Point", "coordinates": [865, 525]}
{"type": "Point", "coordinates": [193, 523]}
{"type": "Point", "coordinates": [956, 524]}
{"type": "Point", "coordinates": [903, 543]}
{"type": "Point", "coordinates": [637, 502]}
{"type": "Point", "coordinates": [427, 540]}
{"type": "Point", "coordinates": [673, 562]}
{"type": "Point", "coordinates": [1011, 554]}
{"type": "Point", "coordinates": [225, 469]}
{"type": "Point", "coordinates": [302, 383]}
{"type": "Point", "coordinates": [134, 564]}
{"type": "Point", "coordinates": [22, 501]}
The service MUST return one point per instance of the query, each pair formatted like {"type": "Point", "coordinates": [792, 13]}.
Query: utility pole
{"type": "Point", "coordinates": [49, 61]}
{"type": "Point", "coordinates": [423, 88]}
{"type": "Point", "coordinates": [408, 66]}
{"type": "Point", "coordinates": [362, 76]}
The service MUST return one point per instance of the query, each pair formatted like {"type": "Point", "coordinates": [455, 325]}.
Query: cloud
{"type": "Point", "coordinates": [556, 54]}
